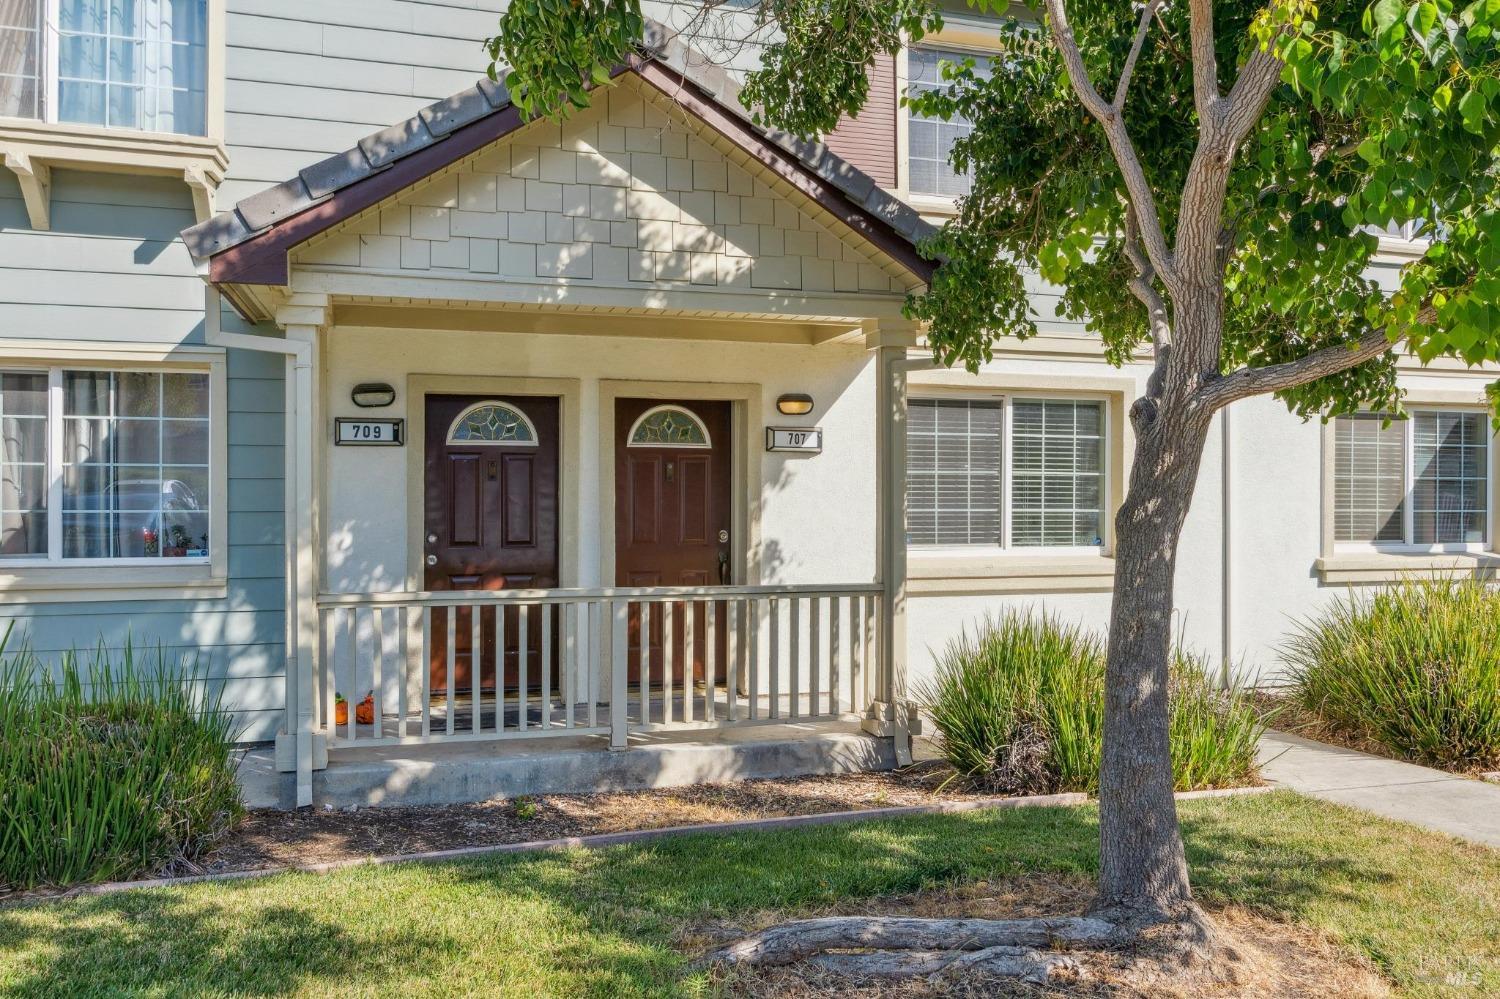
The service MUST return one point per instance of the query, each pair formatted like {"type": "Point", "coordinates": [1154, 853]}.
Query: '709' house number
{"type": "Point", "coordinates": [370, 433]}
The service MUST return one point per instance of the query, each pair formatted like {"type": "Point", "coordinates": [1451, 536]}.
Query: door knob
{"type": "Point", "coordinates": [432, 560]}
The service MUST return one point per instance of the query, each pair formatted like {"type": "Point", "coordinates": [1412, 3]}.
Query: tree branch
{"type": "Point", "coordinates": [1113, 123]}
{"type": "Point", "coordinates": [1245, 382]}
{"type": "Point", "coordinates": [1205, 60]}
{"type": "Point", "coordinates": [1247, 98]}
{"type": "Point", "coordinates": [1123, 87]}
{"type": "Point", "coordinates": [1142, 287]}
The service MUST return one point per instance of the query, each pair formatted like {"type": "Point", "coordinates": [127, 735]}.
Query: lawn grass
{"type": "Point", "coordinates": [1425, 909]}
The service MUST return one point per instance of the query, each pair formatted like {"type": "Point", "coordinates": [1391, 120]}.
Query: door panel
{"type": "Point", "coordinates": [672, 506]}
{"type": "Point", "coordinates": [491, 524]}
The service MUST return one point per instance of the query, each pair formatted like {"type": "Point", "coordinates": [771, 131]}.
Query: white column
{"type": "Point", "coordinates": [893, 712]}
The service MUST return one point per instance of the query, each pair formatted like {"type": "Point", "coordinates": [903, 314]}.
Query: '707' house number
{"type": "Point", "coordinates": [804, 440]}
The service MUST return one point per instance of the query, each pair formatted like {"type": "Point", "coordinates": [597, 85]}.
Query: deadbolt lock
{"type": "Point", "coordinates": [723, 537]}
{"type": "Point", "coordinates": [432, 539]}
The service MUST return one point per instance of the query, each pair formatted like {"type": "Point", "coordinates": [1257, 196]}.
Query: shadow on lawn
{"type": "Point", "coordinates": [605, 921]}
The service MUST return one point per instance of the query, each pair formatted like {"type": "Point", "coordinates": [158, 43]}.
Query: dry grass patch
{"type": "Point", "coordinates": [1264, 958]}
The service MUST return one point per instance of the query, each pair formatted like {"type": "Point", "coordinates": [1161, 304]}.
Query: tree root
{"type": "Point", "coordinates": [901, 947]}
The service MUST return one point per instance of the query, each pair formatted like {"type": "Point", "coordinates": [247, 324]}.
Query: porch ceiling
{"type": "Point", "coordinates": [462, 316]}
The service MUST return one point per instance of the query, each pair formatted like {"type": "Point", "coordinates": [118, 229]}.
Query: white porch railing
{"type": "Point", "coordinates": [572, 662]}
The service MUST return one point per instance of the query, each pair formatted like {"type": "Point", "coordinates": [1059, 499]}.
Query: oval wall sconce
{"type": "Point", "coordinates": [794, 404]}
{"type": "Point", "coordinates": [369, 395]}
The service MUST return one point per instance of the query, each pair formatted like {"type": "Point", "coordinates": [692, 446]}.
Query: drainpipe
{"type": "Point", "coordinates": [1226, 554]}
{"type": "Point", "coordinates": [298, 504]}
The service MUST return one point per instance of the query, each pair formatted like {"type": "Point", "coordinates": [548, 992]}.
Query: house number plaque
{"type": "Point", "coordinates": [806, 440]}
{"type": "Point", "coordinates": [368, 433]}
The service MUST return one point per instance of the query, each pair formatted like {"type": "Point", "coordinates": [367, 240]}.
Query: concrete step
{"type": "Point", "coordinates": [475, 771]}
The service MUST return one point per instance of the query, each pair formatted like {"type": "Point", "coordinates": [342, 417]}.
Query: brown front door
{"type": "Point", "coordinates": [672, 511]}
{"type": "Point", "coordinates": [491, 522]}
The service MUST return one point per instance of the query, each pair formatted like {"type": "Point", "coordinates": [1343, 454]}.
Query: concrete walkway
{"type": "Point", "coordinates": [1455, 805]}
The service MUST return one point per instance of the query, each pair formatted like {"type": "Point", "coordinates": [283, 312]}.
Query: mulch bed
{"type": "Point", "coordinates": [269, 838]}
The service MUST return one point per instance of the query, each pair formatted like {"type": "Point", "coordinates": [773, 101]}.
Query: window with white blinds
{"type": "Point", "coordinates": [1016, 473]}
{"type": "Point", "coordinates": [1422, 481]}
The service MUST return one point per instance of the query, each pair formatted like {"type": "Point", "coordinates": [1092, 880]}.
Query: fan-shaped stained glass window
{"type": "Point", "coordinates": [493, 423]}
{"type": "Point", "coordinates": [669, 426]}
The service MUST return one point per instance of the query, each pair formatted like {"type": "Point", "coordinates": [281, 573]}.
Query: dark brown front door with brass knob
{"type": "Point", "coordinates": [491, 515]}
{"type": "Point", "coordinates": [672, 511]}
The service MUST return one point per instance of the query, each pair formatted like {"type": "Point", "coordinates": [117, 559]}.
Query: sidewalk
{"type": "Point", "coordinates": [1455, 805]}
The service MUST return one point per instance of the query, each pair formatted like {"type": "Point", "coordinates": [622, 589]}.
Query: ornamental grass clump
{"type": "Point", "coordinates": [1414, 668]}
{"type": "Point", "coordinates": [1019, 709]}
{"type": "Point", "coordinates": [111, 768]}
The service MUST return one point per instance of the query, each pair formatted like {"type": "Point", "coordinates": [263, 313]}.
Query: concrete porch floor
{"type": "Point", "coordinates": [435, 774]}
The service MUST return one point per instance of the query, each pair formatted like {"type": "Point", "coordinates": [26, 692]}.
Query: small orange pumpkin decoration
{"type": "Point", "coordinates": [364, 711]}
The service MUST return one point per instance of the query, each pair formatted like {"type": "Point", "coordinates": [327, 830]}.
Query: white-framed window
{"type": "Point", "coordinates": [105, 466]}
{"type": "Point", "coordinates": [126, 64]}
{"type": "Point", "coordinates": [1008, 473]}
{"type": "Point", "coordinates": [1418, 484]}
{"type": "Point", "coordinates": [929, 141]}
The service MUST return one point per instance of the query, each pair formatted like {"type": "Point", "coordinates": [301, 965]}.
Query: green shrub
{"type": "Point", "coordinates": [1019, 708]}
{"type": "Point", "coordinates": [110, 769]}
{"type": "Point", "coordinates": [1414, 668]}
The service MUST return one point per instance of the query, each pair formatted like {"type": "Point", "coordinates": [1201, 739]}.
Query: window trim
{"type": "Point", "coordinates": [1343, 563]}
{"type": "Point", "coordinates": [1006, 550]}
{"type": "Point", "coordinates": [54, 578]}
{"type": "Point", "coordinates": [33, 147]}
{"type": "Point", "coordinates": [1408, 512]}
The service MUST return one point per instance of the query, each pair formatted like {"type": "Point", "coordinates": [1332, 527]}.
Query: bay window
{"type": "Point", "coordinates": [126, 64]}
{"type": "Point", "coordinates": [1421, 483]}
{"type": "Point", "coordinates": [1010, 473]}
{"type": "Point", "coordinates": [105, 466]}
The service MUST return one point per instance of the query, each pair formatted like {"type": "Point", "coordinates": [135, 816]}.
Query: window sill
{"type": "Point", "coordinates": [1379, 567]}
{"type": "Point", "coordinates": [954, 575]}
{"type": "Point", "coordinates": [77, 584]}
{"type": "Point", "coordinates": [32, 148]}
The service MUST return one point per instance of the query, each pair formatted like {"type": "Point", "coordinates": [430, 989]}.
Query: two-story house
{"type": "Point", "coordinates": [424, 425]}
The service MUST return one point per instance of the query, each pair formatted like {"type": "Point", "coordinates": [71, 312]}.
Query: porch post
{"type": "Point", "coordinates": [892, 714]}
{"type": "Point", "coordinates": [303, 319]}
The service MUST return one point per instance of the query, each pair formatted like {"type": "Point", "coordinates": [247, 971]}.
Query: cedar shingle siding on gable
{"type": "Point", "coordinates": [869, 141]}
{"type": "Point", "coordinates": [628, 191]}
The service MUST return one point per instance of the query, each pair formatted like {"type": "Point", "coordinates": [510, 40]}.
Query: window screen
{"type": "Point", "coordinates": [1057, 473]}
{"type": "Point", "coordinates": [954, 472]}
{"type": "Point", "coordinates": [1450, 453]}
{"type": "Point", "coordinates": [1369, 486]}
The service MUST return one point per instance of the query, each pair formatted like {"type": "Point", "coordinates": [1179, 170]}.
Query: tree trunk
{"type": "Point", "coordinates": [1143, 870]}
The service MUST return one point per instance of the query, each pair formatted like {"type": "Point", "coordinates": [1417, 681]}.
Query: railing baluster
{"type": "Point", "coordinates": [689, 656]}
{"type": "Point", "coordinates": [752, 632]}
{"type": "Point", "coordinates": [871, 654]}
{"type": "Point", "coordinates": [547, 665]}
{"type": "Point", "coordinates": [814, 673]}
{"type": "Point", "coordinates": [833, 656]}
{"type": "Point", "coordinates": [523, 652]}
{"type": "Point", "coordinates": [409, 692]}
{"type": "Point", "coordinates": [351, 699]}
{"type": "Point", "coordinates": [775, 664]}
{"type": "Point", "coordinates": [794, 637]}
{"type": "Point", "coordinates": [426, 672]}
{"type": "Point", "coordinates": [710, 654]}
{"type": "Point", "coordinates": [476, 669]}
{"type": "Point", "coordinates": [330, 667]}
{"type": "Point", "coordinates": [669, 657]}
{"type": "Point", "coordinates": [377, 670]}
{"type": "Point", "coordinates": [595, 663]}
{"type": "Point", "coordinates": [643, 664]}
{"type": "Point", "coordinates": [452, 622]}
{"type": "Point", "coordinates": [500, 615]}
{"type": "Point", "coordinates": [734, 615]}
{"type": "Point", "coordinates": [619, 614]}
{"type": "Point", "coordinates": [856, 657]}
{"type": "Point", "coordinates": [569, 657]}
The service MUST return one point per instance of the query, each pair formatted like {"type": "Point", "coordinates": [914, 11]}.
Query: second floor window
{"type": "Point", "coordinates": [134, 64]}
{"type": "Point", "coordinates": [1420, 482]}
{"type": "Point", "coordinates": [930, 140]}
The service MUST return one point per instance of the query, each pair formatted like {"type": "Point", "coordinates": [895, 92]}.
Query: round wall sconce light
{"type": "Point", "coordinates": [369, 395]}
{"type": "Point", "coordinates": [794, 404]}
